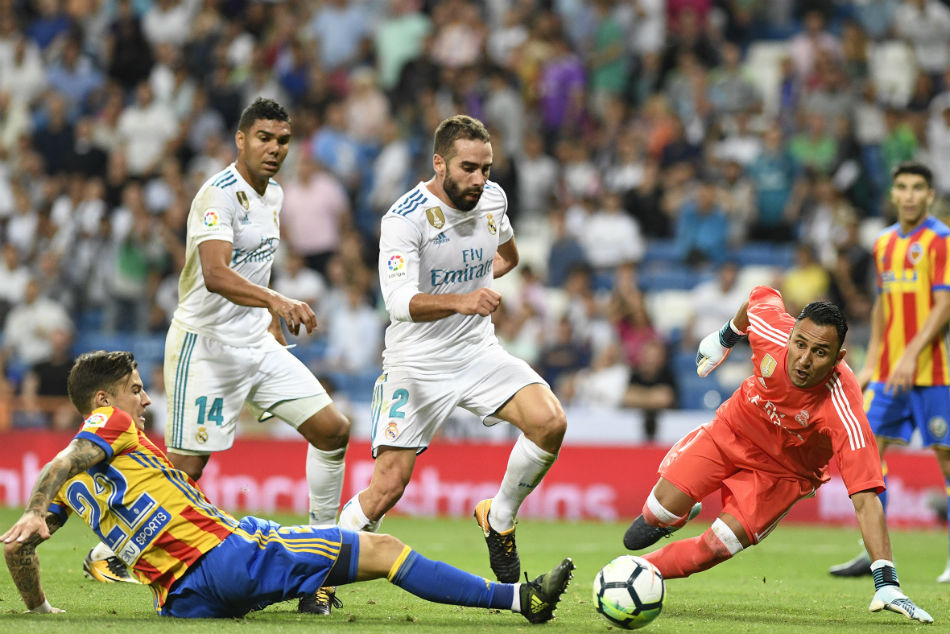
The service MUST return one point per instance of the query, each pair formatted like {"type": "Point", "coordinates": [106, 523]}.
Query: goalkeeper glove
{"type": "Point", "coordinates": [715, 347]}
{"type": "Point", "coordinates": [888, 595]}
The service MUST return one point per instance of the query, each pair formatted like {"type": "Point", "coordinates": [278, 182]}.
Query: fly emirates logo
{"type": "Point", "coordinates": [771, 412]}
{"type": "Point", "coordinates": [473, 267]}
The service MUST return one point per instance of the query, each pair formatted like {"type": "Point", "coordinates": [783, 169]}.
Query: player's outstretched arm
{"type": "Point", "coordinates": [24, 564]}
{"type": "Point", "coordinates": [37, 524]}
{"type": "Point", "coordinates": [716, 346]}
{"type": "Point", "coordinates": [889, 596]}
{"type": "Point", "coordinates": [887, 589]}
{"type": "Point", "coordinates": [79, 455]}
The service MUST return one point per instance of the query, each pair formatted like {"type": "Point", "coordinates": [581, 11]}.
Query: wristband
{"type": "Point", "coordinates": [884, 573]}
{"type": "Point", "coordinates": [43, 608]}
{"type": "Point", "coordinates": [728, 335]}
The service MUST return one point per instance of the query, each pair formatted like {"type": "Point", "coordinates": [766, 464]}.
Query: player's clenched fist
{"type": "Point", "coordinates": [483, 301]}
{"type": "Point", "coordinates": [294, 313]}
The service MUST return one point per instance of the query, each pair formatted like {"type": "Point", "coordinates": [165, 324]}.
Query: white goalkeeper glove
{"type": "Point", "coordinates": [715, 348]}
{"type": "Point", "coordinates": [889, 596]}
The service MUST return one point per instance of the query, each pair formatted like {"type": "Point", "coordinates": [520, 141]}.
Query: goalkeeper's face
{"type": "Point", "coordinates": [813, 352]}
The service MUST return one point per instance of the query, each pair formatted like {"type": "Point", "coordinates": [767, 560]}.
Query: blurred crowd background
{"type": "Point", "coordinates": [660, 157]}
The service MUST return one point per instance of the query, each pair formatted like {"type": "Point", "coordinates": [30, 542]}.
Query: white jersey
{"type": "Point", "coordinates": [425, 246]}
{"type": "Point", "coordinates": [228, 208]}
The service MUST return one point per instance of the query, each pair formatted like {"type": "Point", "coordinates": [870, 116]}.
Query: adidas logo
{"type": "Point", "coordinates": [441, 239]}
{"type": "Point", "coordinates": [537, 604]}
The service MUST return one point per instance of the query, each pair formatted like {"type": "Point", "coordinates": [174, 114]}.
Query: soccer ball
{"type": "Point", "coordinates": [629, 592]}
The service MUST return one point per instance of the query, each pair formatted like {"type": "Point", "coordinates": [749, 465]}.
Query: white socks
{"type": "Point", "coordinates": [527, 464]}
{"type": "Point", "coordinates": [325, 478]}
{"type": "Point", "coordinates": [353, 517]}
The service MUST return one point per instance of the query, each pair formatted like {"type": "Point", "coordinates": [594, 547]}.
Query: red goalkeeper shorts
{"type": "Point", "coordinates": [754, 489]}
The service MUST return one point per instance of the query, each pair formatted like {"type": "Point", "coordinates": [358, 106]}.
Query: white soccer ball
{"type": "Point", "coordinates": [629, 592]}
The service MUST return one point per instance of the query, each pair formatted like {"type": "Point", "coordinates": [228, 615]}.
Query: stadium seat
{"type": "Point", "coordinates": [767, 253]}
{"type": "Point", "coordinates": [694, 391]}
{"type": "Point", "coordinates": [355, 386]}
{"type": "Point", "coordinates": [669, 310]}
{"type": "Point", "coordinates": [697, 393]}
{"type": "Point", "coordinates": [668, 277]}
{"type": "Point", "coordinates": [659, 251]}
{"type": "Point", "coordinates": [149, 350]}
{"type": "Point", "coordinates": [89, 320]}
{"type": "Point", "coordinates": [311, 352]}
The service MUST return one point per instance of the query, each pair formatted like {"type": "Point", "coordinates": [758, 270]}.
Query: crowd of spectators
{"type": "Point", "coordinates": [646, 146]}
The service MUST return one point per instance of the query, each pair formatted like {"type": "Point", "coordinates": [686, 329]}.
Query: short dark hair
{"type": "Point", "coordinates": [459, 126]}
{"type": "Point", "coordinates": [824, 313]}
{"type": "Point", "coordinates": [913, 167]}
{"type": "Point", "coordinates": [94, 371]}
{"type": "Point", "coordinates": [262, 108]}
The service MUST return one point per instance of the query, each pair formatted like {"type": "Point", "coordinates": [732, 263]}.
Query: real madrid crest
{"type": "Point", "coordinates": [435, 217]}
{"type": "Point", "coordinates": [392, 430]}
{"type": "Point", "coordinates": [492, 227]}
{"type": "Point", "coordinates": [242, 198]}
{"type": "Point", "coordinates": [767, 366]}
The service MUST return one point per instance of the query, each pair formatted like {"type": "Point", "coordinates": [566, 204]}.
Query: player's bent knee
{"type": "Point", "coordinates": [193, 466]}
{"type": "Point", "coordinates": [551, 431]}
{"type": "Point", "coordinates": [327, 430]}
{"type": "Point", "coordinates": [379, 552]}
{"type": "Point", "coordinates": [723, 541]}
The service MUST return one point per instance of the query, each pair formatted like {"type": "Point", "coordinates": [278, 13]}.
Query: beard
{"type": "Point", "coordinates": [457, 195]}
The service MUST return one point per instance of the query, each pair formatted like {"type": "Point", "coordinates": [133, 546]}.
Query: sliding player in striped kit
{"type": "Point", "coordinates": [907, 372]}
{"type": "Point", "coordinates": [769, 445]}
{"type": "Point", "coordinates": [441, 244]}
{"type": "Point", "coordinates": [198, 560]}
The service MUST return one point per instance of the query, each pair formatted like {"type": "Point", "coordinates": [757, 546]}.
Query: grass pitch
{"type": "Point", "coordinates": [780, 586]}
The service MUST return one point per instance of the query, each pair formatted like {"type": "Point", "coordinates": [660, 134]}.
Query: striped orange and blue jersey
{"type": "Point", "coordinates": [909, 269]}
{"type": "Point", "coordinates": [153, 516]}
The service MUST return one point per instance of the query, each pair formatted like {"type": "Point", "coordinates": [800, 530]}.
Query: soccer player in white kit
{"type": "Point", "coordinates": [441, 245]}
{"type": "Point", "coordinates": [225, 348]}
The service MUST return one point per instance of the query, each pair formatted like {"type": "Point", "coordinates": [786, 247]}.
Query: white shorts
{"type": "Point", "coordinates": [409, 406]}
{"type": "Point", "coordinates": [207, 383]}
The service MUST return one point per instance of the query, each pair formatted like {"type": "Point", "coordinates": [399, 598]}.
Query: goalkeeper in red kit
{"type": "Point", "coordinates": [769, 445]}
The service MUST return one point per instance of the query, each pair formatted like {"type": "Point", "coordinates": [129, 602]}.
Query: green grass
{"type": "Point", "coordinates": [779, 586]}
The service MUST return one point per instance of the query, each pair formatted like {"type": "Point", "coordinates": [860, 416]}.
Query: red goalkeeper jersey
{"type": "Point", "coordinates": [800, 429]}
